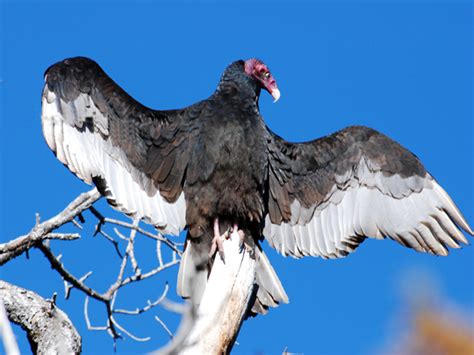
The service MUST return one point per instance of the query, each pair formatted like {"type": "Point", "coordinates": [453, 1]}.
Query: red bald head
{"type": "Point", "coordinates": [260, 73]}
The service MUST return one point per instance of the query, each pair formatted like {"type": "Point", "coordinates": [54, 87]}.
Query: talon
{"type": "Point", "coordinates": [218, 240]}
{"type": "Point", "coordinates": [242, 244]}
{"type": "Point", "coordinates": [247, 248]}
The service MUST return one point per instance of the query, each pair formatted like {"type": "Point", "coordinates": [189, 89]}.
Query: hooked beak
{"type": "Point", "coordinates": [275, 94]}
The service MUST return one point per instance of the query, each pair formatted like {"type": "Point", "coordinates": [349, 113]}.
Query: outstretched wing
{"type": "Point", "coordinates": [328, 195]}
{"type": "Point", "coordinates": [136, 156]}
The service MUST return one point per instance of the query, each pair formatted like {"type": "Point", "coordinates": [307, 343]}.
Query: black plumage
{"type": "Point", "coordinates": [217, 161]}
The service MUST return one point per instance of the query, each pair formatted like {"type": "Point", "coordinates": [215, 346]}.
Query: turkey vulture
{"type": "Point", "coordinates": [215, 166]}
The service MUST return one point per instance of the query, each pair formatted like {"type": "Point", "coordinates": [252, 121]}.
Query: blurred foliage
{"type": "Point", "coordinates": [429, 322]}
{"type": "Point", "coordinates": [440, 333]}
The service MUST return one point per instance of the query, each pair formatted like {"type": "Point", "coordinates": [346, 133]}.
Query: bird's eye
{"type": "Point", "coordinates": [266, 74]}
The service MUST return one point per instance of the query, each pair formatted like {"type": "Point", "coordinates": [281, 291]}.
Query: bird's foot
{"type": "Point", "coordinates": [218, 241]}
{"type": "Point", "coordinates": [241, 235]}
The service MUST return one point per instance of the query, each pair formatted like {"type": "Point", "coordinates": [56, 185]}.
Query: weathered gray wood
{"type": "Point", "coordinates": [224, 303]}
{"type": "Point", "coordinates": [49, 329]}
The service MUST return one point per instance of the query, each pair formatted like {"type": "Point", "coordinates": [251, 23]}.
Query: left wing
{"type": "Point", "coordinates": [136, 156]}
{"type": "Point", "coordinates": [326, 196]}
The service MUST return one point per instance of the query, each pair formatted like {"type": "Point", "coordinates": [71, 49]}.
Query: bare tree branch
{"type": "Point", "coordinates": [40, 236]}
{"type": "Point", "coordinates": [149, 306]}
{"type": "Point", "coordinates": [68, 287]}
{"type": "Point", "coordinates": [113, 327]}
{"type": "Point", "coordinates": [49, 328]}
{"type": "Point", "coordinates": [139, 277]}
{"type": "Point", "coordinates": [66, 275]}
{"type": "Point", "coordinates": [131, 249]}
{"type": "Point", "coordinates": [42, 231]}
{"type": "Point", "coordinates": [158, 236]}
{"type": "Point", "coordinates": [86, 317]}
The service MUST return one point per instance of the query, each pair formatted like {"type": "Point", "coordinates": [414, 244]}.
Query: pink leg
{"type": "Point", "coordinates": [218, 241]}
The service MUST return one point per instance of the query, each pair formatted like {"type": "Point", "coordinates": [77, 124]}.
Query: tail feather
{"type": "Point", "coordinates": [193, 274]}
{"type": "Point", "coordinates": [270, 291]}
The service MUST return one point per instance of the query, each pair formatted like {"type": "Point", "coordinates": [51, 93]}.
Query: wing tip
{"type": "Point", "coordinates": [469, 230]}
{"type": "Point", "coordinates": [453, 211]}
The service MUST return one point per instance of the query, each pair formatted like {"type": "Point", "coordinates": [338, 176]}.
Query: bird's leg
{"type": "Point", "coordinates": [218, 240]}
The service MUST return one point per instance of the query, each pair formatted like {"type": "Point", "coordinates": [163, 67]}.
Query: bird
{"type": "Point", "coordinates": [215, 168]}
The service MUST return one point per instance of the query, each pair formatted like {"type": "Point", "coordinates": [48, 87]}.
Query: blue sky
{"type": "Point", "coordinates": [404, 68]}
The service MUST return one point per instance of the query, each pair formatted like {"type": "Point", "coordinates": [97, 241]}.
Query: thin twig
{"type": "Point", "coordinates": [97, 214]}
{"type": "Point", "coordinates": [113, 241]}
{"type": "Point", "coordinates": [151, 273]}
{"type": "Point", "coordinates": [175, 307]}
{"type": "Point", "coordinates": [76, 223]}
{"type": "Point", "coordinates": [149, 306]}
{"type": "Point", "coordinates": [86, 317]}
{"type": "Point", "coordinates": [120, 235]}
{"type": "Point", "coordinates": [164, 327]}
{"type": "Point", "coordinates": [68, 286]}
{"type": "Point", "coordinates": [159, 236]}
{"type": "Point", "coordinates": [134, 337]}
{"type": "Point", "coordinates": [158, 253]}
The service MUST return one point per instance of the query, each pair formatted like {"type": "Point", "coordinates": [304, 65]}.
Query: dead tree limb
{"type": "Point", "coordinates": [49, 328]}
{"type": "Point", "coordinates": [39, 237]}
{"type": "Point", "coordinates": [42, 231]}
{"type": "Point", "coordinates": [213, 327]}
{"type": "Point", "coordinates": [224, 303]}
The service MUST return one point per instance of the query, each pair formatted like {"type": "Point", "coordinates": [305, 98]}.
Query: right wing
{"type": "Point", "coordinates": [136, 156]}
{"type": "Point", "coordinates": [326, 196]}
